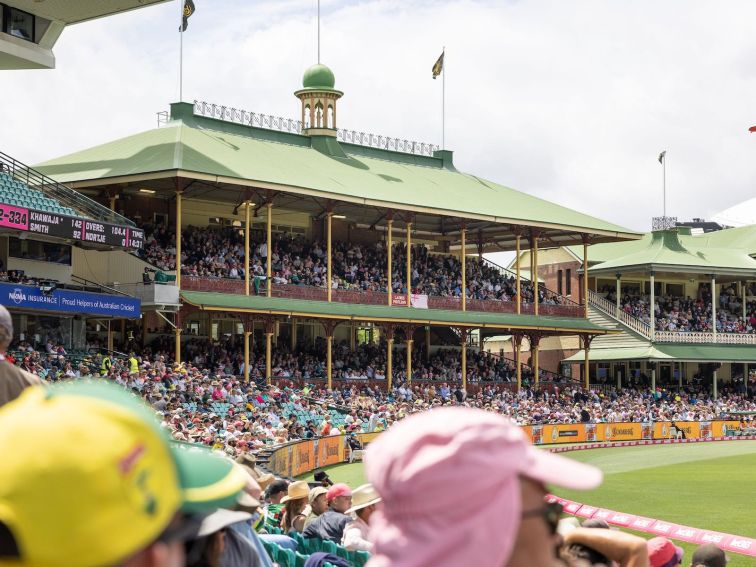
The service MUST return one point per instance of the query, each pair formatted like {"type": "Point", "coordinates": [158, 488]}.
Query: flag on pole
{"type": "Point", "coordinates": [662, 156]}
{"type": "Point", "coordinates": [438, 66]}
{"type": "Point", "coordinates": [188, 11]}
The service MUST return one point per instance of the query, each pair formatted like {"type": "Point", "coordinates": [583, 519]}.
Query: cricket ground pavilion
{"type": "Point", "coordinates": [262, 174]}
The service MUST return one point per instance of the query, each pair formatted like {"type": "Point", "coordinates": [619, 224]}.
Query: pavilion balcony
{"type": "Point", "coordinates": [291, 291]}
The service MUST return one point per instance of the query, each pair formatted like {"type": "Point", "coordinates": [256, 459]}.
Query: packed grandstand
{"type": "Point", "coordinates": [231, 302]}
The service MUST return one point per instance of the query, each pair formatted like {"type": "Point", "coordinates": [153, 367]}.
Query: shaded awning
{"type": "Point", "coordinates": [671, 353]}
{"type": "Point", "coordinates": [234, 303]}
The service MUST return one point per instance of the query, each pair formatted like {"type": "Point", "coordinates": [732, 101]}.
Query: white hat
{"type": "Point", "coordinates": [220, 519]}
{"type": "Point", "coordinates": [362, 497]}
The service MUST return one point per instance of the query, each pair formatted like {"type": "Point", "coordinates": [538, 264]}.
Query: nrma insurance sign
{"type": "Point", "coordinates": [30, 297]}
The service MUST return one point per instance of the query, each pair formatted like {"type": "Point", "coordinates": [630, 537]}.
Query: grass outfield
{"type": "Point", "coordinates": [706, 485]}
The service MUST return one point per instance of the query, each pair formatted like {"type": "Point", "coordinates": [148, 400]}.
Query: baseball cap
{"type": "Point", "coordinates": [418, 467]}
{"type": "Point", "coordinates": [92, 460]}
{"type": "Point", "coordinates": [317, 491]}
{"type": "Point", "coordinates": [338, 489]}
{"type": "Point", "coordinates": [708, 555]}
{"type": "Point", "coordinates": [663, 553]}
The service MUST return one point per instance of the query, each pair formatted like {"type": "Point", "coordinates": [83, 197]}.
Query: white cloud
{"type": "Point", "coordinates": [570, 101]}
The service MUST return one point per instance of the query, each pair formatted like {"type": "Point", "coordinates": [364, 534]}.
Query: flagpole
{"type": "Point", "coordinates": [181, 51]}
{"type": "Point", "coordinates": [664, 183]}
{"type": "Point", "coordinates": [443, 100]}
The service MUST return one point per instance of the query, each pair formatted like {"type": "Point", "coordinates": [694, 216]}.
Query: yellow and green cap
{"type": "Point", "coordinates": [89, 477]}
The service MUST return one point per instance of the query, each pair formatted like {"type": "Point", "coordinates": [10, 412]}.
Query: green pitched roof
{"type": "Point", "coordinates": [357, 312]}
{"type": "Point", "coordinates": [671, 251]}
{"type": "Point", "coordinates": [235, 153]}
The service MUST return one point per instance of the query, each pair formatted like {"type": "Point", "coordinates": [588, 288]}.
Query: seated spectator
{"type": "Point", "coordinates": [663, 553]}
{"type": "Point", "coordinates": [365, 500]}
{"type": "Point", "coordinates": [295, 507]}
{"type": "Point", "coordinates": [85, 429]}
{"type": "Point", "coordinates": [274, 511]}
{"type": "Point", "coordinates": [318, 504]}
{"type": "Point", "coordinates": [499, 519]}
{"type": "Point", "coordinates": [331, 523]}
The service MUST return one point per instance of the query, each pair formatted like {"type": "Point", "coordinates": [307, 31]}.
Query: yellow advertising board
{"type": "Point", "coordinates": [330, 451]}
{"type": "Point", "coordinates": [303, 458]}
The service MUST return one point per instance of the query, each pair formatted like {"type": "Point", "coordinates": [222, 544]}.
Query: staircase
{"type": "Point", "coordinates": [626, 339]}
{"type": "Point", "coordinates": [599, 303]}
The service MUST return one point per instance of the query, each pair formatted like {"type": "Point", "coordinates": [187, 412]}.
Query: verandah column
{"type": "Point", "coordinates": [714, 308]}
{"type": "Point", "coordinates": [329, 254]}
{"type": "Point", "coordinates": [463, 348]}
{"type": "Point", "coordinates": [652, 306]}
{"type": "Point", "coordinates": [178, 235]}
{"type": "Point", "coordinates": [618, 293]}
{"type": "Point", "coordinates": [389, 357]}
{"type": "Point", "coordinates": [585, 277]}
{"type": "Point", "coordinates": [389, 246]}
{"type": "Point", "coordinates": [517, 344]}
{"type": "Point", "coordinates": [587, 361]}
{"type": "Point", "coordinates": [535, 340]}
{"type": "Point", "coordinates": [246, 247]}
{"type": "Point", "coordinates": [517, 269]}
{"type": "Point", "coordinates": [269, 325]}
{"type": "Point", "coordinates": [269, 260]}
{"type": "Point", "coordinates": [409, 264]}
{"type": "Point", "coordinates": [534, 272]}
{"type": "Point", "coordinates": [462, 258]}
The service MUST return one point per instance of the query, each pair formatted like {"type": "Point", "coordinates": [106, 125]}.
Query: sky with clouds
{"type": "Point", "coordinates": [569, 101]}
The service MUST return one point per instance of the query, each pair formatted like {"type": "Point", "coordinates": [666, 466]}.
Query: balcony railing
{"type": "Point", "coordinates": [703, 338]}
{"type": "Point", "coordinates": [270, 122]}
{"type": "Point", "coordinates": [290, 291]}
{"type": "Point", "coordinates": [679, 337]}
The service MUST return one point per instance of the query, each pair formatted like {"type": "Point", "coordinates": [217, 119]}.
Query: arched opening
{"type": "Point", "coordinates": [319, 116]}
{"type": "Point", "coordinates": [307, 117]}
{"type": "Point", "coordinates": [331, 117]}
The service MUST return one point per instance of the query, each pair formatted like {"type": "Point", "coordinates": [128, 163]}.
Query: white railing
{"type": "Point", "coordinates": [607, 307]}
{"type": "Point", "coordinates": [703, 338]}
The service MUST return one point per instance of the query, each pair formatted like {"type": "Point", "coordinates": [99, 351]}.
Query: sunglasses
{"type": "Point", "coordinates": [551, 512]}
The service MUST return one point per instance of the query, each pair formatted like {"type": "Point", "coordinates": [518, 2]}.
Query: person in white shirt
{"type": "Point", "coordinates": [364, 502]}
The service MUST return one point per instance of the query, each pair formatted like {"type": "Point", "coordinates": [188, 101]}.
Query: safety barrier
{"type": "Point", "coordinates": [727, 542]}
{"type": "Point", "coordinates": [628, 431]}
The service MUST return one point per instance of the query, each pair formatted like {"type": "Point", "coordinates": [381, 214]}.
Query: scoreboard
{"type": "Point", "coordinates": [78, 229]}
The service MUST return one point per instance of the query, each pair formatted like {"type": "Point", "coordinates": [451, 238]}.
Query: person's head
{"type": "Point", "coordinates": [295, 500]}
{"type": "Point", "coordinates": [318, 500]}
{"type": "Point", "coordinates": [339, 497]}
{"type": "Point", "coordinates": [364, 502]}
{"type": "Point", "coordinates": [322, 478]}
{"type": "Point", "coordinates": [708, 555]}
{"type": "Point", "coordinates": [422, 469]}
{"type": "Point", "coordinates": [663, 553]}
{"type": "Point", "coordinates": [6, 329]}
{"type": "Point", "coordinates": [277, 490]}
{"type": "Point", "coordinates": [106, 464]}
{"type": "Point", "coordinates": [206, 549]}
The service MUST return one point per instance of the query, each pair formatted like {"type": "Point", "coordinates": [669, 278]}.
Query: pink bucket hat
{"type": "Point", "coordinates": [451, 495]}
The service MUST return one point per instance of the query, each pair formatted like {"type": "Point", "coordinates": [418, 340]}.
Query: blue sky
{"type": "Point", "coordinates": [570, 101]}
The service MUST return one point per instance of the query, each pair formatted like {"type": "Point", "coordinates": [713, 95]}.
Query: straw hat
{"type": "Point", "coordinates": [362, 497]}
{"type": "Point", "coordinates": [297, 490]}
{"type": "Point", "coordinates": [265, 480]}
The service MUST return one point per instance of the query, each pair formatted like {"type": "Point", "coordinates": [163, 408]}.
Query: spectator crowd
{"type": "Point", "coordinates": [219, 253]}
